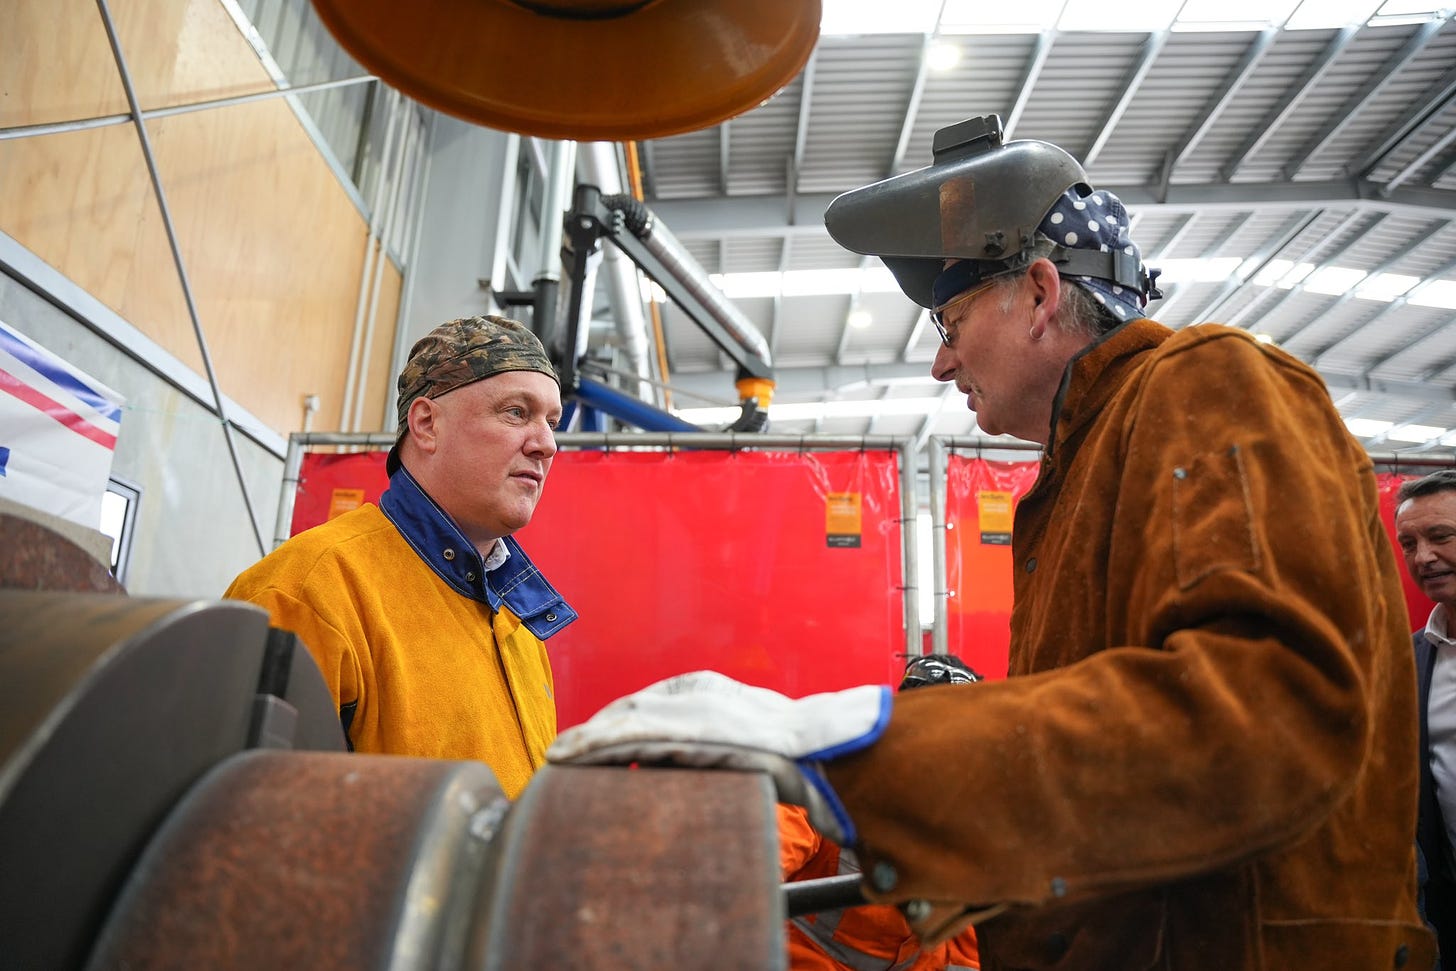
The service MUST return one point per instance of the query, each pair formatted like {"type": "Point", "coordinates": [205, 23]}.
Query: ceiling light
{"type": "Point", "coordinates": [1367, 427]}
{"type": "Point", "coordinates": [1416, 433]}
{"type": "Point", "coordinates": [859, 318]}
{"type": "Point", "coordinates": [943, 56]}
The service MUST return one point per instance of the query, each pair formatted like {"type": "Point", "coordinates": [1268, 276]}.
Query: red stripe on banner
{"type": "Point", "coordinates": [56, 410]}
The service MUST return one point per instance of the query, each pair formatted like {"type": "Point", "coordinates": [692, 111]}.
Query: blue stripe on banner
{"type": "Point", "coordinates": [4, 458]}
{"type": "Point", "coordinates": [12, 345]}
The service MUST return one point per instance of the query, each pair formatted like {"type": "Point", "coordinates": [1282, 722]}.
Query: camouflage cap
{"type": "Point", "coordinates": [462, 352]}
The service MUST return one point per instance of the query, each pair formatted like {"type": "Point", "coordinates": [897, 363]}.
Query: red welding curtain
{"type": "Point", "coordinates": [742, 562]}
{"type": "Point", "coordinates": [980, 499]}
{"type": "Point", "coordinates": [779, 569]}
{"type": "Point", "coordinates": [1417, 606]}
{"type": "Point", "coordinates": [978, 565]}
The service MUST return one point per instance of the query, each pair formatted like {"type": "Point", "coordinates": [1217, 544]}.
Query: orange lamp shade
{"type": "Point", "coordinates": [589, 70]}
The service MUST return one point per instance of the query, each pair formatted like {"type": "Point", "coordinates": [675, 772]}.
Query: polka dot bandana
{"type": "Point", "coordinates": [1097, 221]}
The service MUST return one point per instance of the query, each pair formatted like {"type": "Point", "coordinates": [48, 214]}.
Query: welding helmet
{"type": "Point", "coordinates": [980, 200]}
{"type": "Point", "coordinates": [928, 669]}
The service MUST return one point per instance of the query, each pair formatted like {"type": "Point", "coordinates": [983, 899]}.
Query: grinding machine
{"type": "Point", "coordinates": [175, 792]}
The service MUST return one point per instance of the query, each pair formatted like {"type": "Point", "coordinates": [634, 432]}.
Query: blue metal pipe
{"type": "Point", "coordinates": [630, 410]}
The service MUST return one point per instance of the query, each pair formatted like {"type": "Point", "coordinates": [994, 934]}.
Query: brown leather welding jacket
{"type": "Point", "coordinates": [1205, 756]}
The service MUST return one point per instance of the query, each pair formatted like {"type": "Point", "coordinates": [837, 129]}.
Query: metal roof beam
{"type": "Point", "coordinates": [808, 381]}
{"type": "Point", "coordinates": [1295, 225]}
{"type": "Point", "coordinates": [1323, 260]}
{"type": "Point", "coordinates": [1383, 267]}
{"type": "Point", "coordinates": [921, 319]}
{"type": "Point", "coordinates": [844, 328]}
{"type": "Point", "coordinates": [1415, 164]}
{"type": "Point", "coordinates": [725, 135]}
{"type": "Point", "coordinates": [1034, 66]}
{"type": "Point", "coordinates": [801, 129]}
{"type": "Point", "coordinates": [912, 107]}
{"type": "Point", "coordinates": [1289, 102]}
{"type": "Point", "coordinates": [709, 218]}
{"type": "Point", "coordinates": [1406, 125]}
{"type": "Point", "coordinates": [1225, 96]}
{"type": "Point", "coordinates": [1386, 311]}
{"type": "Point", "coordinates": [1361, 98]}
{"type": "Point", "coordinates": [1130, 84]}
{"type": "Point", "coordinates": [1212, 249]}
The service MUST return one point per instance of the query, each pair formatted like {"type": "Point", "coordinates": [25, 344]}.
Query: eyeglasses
{"type": "Point", "coordinates": [937, 316]}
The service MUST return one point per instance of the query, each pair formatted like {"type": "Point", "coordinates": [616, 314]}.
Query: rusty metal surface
{"type": "Point", "coordinates": [308, 860]}
{"type": "Point", "coordinates": [33, 557]}
{"type": "Point", "coordinates": [615, 869]}
{"type": "Point", "coordinates": [110, 709]}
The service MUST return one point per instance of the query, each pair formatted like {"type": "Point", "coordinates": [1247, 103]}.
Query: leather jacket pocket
{"type": "Point", "coordinates": [1125, 933]}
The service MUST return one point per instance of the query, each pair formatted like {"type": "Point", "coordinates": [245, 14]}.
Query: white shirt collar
{"type": "Point", "coordinates": [498, 554]}
{"type": "Point", "coordinates": [1438, 624]}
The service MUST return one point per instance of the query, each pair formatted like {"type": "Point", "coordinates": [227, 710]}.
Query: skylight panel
{"type": "Point", "coordinates": [858, 17]}
{"type": "Point", "coordinates": [1333, 280]}
{"type": "Point", "coordinates": [1204, 270]}
{"type": "Point", "coordinates": [1138, 15]}
{"type": "Point", "coordinates": [1271, 273]}
{"type": "Point", "coordinates": [815, 410]}
{"type": "Point", "coordinates": [981, 17]}
{"type": "Point", "coordinates": [1438, 293]}
{"type": "Point", "coordinates": [768, 283]}
{"type": "Point", "coordinates": [1366, 427]}
{"type": "Point", "coordinates": [1407, 12]}
{"type": "Point", "coordinates": [1386, 286]}
{"type": "Point", "coordinates": [1416, 433]}
{"type": "Point", "coordinates": [1326, 14]}
{"type": "Point", "coordinates": [1233, 14]}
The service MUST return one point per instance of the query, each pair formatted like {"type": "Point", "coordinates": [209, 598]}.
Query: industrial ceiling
{"type": "Point", "coordinates": [1294, 175]}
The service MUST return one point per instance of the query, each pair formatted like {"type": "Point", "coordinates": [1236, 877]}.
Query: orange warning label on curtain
{"type": "Point", "coordinates": [842, 518]}
{"type": "Point", "coordinates": [993, 511]}
{"type": "Point", "coordinates": [342, 500]}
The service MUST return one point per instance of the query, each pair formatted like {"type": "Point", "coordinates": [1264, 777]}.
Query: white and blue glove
{"type": "Point", "coordinates": [705, 720]}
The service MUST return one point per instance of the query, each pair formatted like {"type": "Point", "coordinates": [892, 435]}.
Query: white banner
{"type": "Point", "coordinates": [58, 431]}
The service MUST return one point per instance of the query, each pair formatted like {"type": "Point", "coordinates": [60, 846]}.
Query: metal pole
{"type": "Point", "coordinates": [402, 342]}
{"type": "Point", "coordinates": [940, 633]}
{"type": "Point", "coordinates": [403, 149]}
{"type": "Point", "coordinates": [361, 303]}
{"type": "Point", "coordinates": [292, 465]}
{"type": "Point", "coordinates": [105, 121]}
{"type": "Point", "coordinates": [909, 508]}
{"type": "Point", "coordinates": [219, 407]}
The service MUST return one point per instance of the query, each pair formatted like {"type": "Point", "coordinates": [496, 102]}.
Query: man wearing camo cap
{"type": "Point", "coordinates": [427, 619]}
{"type": "Point", "coordinates": [1204, 756]}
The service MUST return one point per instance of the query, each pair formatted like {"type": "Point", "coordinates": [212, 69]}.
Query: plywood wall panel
{"type": "Point", "coordinates": [55, 64]}
{"type": "Point", "coordinates": [184, 51]}
{"type": "Point", "coordinates": [82, 201]}
{"type": "Point", "coordinates": [274, 251]}
{"type": "Point", "coordinates": [272, 243]}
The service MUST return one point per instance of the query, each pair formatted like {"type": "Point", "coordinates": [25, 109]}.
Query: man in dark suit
{"type": "Point", "coordinates": [1425, 525]}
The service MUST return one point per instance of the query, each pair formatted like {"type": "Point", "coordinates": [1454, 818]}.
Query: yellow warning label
{"type": "Point", "coordinates": [993, 510]}
{"type": "Point", "coordinates": [342, 500]}
{"type": "Point", "coordinates": [842, 523]}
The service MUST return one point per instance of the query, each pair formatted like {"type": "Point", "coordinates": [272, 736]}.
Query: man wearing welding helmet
{"type": "Point", "coordinates": [1204, 756]}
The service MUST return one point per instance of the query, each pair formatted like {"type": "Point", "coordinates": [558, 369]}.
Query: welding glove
{"type": "Point", "coordinates": [705, 720]}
